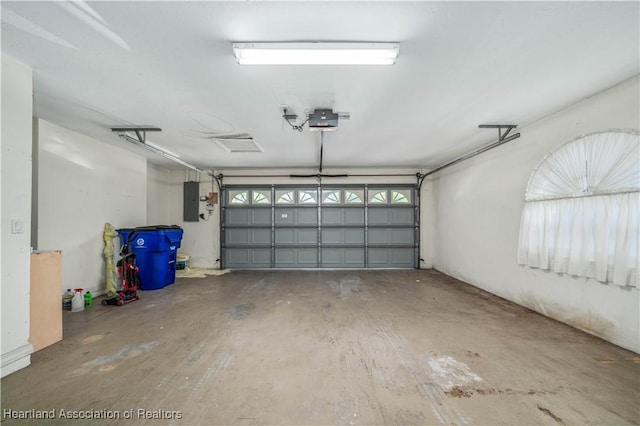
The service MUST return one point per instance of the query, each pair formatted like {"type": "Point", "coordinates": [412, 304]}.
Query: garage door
{"type": "Point", "coordinates": [362, 226]}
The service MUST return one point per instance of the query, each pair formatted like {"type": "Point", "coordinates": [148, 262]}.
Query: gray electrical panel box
{"type": "Point", "coordinates": [191, 208]}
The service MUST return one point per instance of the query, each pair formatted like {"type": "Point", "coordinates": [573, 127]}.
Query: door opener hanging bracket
{"type": "Point", "coordinates": [140, 131]}
{"type": "Point", "coordinates": [506, 127]}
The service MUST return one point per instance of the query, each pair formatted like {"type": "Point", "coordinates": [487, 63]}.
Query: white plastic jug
{"type": "Point", "coordinates": [77, 303]}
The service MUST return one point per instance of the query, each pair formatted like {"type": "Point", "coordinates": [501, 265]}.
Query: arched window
{"type": "Point", "coordinates": [582, 209]}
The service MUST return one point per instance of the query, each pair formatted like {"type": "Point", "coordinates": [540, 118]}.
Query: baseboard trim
{"type": "Point", "coordinates": [15, 360]}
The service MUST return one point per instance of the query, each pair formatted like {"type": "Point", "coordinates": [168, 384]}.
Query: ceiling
{"type": "Point", "coordinates": [461, 64]}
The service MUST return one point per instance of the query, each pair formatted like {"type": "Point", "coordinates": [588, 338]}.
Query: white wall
{"type": "Point", "coordinates": [427, 224]}
{"type": "Point", "coordinates": [158, 200]}
{"type": "Point", "coordinates": [17, 91]}
{"type": "Point", "coordinates": [478, 204]}
{"type": "Point", "coordinates": [84, 183]}
{"type": "Point", "coordinates": [201, 240]}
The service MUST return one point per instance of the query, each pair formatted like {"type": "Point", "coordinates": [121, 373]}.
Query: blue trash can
{"type": "Point", "coordinates": [155, 248]}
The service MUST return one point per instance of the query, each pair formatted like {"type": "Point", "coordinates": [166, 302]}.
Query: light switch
{"type": "Point", "coordinates": [17, 226]}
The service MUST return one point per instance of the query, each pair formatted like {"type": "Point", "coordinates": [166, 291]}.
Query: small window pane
{"type": "Point", "coordinates": [261, 197]}
{"type": "Point", "coordinates": [239, 197]}
{"type": "Point", "coordinates": [331, 196]}
{"type": "Point", "coordinates": [285, 196]}
{"type": "Point", "coordinates": [401, 196]}
{"type": "Point", "coordinates": [378, 197]}
{"type": "Point", "coordinates": [353, 196]}
{"type": "Point", "coordinates": [308, 196]}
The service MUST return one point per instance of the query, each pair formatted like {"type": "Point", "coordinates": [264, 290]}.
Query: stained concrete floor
{"type": "Point", "coordinates": [326, 347]}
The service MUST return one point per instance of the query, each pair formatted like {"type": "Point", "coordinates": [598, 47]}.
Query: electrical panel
{"type": "Point", "coordinates": [191, 206]}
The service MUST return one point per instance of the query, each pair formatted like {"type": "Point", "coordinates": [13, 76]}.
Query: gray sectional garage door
{"type": "Point", "coordinates": [363, 226]}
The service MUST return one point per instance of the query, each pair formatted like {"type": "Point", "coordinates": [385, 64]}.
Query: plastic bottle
{"type": "Point", "coordinates": [88, 299]}
{"type": "Point", "coordinates": [66, 299]}
{"type": "Point", "coordinates": [77, 303]}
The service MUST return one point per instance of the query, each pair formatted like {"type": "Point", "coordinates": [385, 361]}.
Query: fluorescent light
{"type": "Point", "coordinates": [316, 53]}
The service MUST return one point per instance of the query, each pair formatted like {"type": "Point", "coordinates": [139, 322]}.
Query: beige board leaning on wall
{"type": "Point", "coordinates": [46, 302]}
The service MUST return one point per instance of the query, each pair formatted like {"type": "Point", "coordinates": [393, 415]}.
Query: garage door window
{"type": "Point", "coordinates": [353, 196]}
{"type": "Point", "coordinates": [261, 197]}
{"type": "Point", "coordinates": [239, 197]}
{"type": "Point", "coordinates": [286, 196]}
{"type": "Point", "coordinates": [308, 196]}
{"type": "Point", "coordinates": [400, 197]}
{"type": "Point", "coordinates": [379, 197]}
{"type": "Point", "coordinates": [331, 197]}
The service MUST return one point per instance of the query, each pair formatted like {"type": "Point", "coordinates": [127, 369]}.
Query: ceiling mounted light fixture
{"type": "Point", "coordinates": [316, 53]}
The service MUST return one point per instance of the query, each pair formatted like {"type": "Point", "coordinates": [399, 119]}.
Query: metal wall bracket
{"type": "Point", "coordinates": [502, 138]}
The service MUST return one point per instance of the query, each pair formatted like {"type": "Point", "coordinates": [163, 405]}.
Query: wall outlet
{"type": "Point", "coordinates": [17, 226]}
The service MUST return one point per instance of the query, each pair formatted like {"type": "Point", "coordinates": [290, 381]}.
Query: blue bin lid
{"type": "Point", "coordinates": [152, 228]}
{"type": "Point", "coordinates": [173, 232]}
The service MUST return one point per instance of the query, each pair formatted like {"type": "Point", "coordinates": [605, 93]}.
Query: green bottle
{"type": "Point", "coordinates": [88, 299]}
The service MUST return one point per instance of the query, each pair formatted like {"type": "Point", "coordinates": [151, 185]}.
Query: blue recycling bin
{"type": "Point", "coordinates": [155, 248]}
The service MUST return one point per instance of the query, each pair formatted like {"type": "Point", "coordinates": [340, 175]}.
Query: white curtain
{"type": "Point", "coordinates": [582, 210]}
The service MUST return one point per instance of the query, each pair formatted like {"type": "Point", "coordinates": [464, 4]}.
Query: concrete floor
{"type": "Point", "coordinates": [326, 347]}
